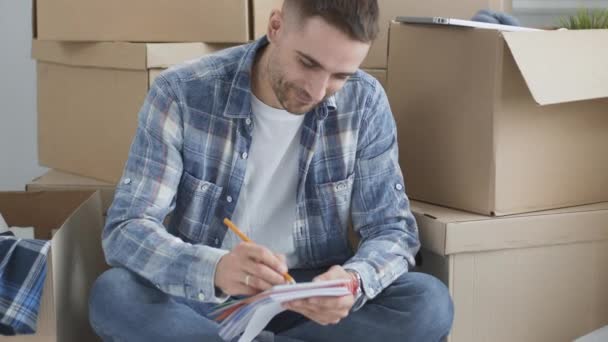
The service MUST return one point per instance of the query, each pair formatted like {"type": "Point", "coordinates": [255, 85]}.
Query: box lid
{"type": "Point", "coordinates": [120, 55]}
{"type": "Point", "coordinates": [447, 231]}
{"type": "Point", "coordinates": [63, 179]}
{"type": "Point", "coordinates": [562, 66]}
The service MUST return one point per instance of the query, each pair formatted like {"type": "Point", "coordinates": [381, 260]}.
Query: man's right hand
{"type": "Point", "coordinates": [249, 269]}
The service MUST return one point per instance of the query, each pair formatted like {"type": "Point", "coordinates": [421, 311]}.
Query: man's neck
{"type": "Point", "coordinates": [260, 80]}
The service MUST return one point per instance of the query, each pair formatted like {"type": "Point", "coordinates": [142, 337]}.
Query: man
{"type": "Point", "coordinates": [290, 140]}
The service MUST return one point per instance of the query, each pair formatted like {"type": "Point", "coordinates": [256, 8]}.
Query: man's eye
{"type": "Point", "coordinates": [306, 64]}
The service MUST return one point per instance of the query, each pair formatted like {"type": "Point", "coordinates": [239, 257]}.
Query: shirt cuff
{"type": "Point", "coordinates": [200, 280]}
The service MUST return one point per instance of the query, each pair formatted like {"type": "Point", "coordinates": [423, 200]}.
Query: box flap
{"type": "Point", "coordinates": [64, 179]}
{"type": "Point", "coordinates": [164, 55]}
{"type": "Point", "coordinates": [51, 209]}
{"type": "Point", "coordinates": [464, 232]}
{"type": "Point", "coordinates": [104, 55]}
{"type": "Point", "coordinates": [562, 66]}
{"type": "Point", "coordinates": [77, 259]}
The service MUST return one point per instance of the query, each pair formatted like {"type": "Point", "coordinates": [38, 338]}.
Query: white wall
{"type": "Point", "coordinates": [18, 150]}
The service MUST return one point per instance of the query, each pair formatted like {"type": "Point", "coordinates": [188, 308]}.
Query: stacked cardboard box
{"type": "Point", "coordinates": [506, 124]}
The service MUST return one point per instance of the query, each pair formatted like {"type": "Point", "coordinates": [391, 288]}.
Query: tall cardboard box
{"type": "Point", "coordinates": [89, 95]}
{"type": "Point", "coordinates": [501, 122]}
{"type": "Point", "coordinates": [389, 9]}
{"type": "Point", "coordinates": [538, 277]}
{"type": "Point", "coordinates": [211, 21]}
{"type": "Point", "coordinates": [55, 180]}
{"type": "Point", "coordinates": [74, 261]}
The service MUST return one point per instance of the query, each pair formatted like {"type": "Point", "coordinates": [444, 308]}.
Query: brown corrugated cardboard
{"type": "Point", "coordinates": [226, 21]}
{"type": "Point", "coordinates": [389, 9]}
{"type": "Point", "coordinates": [533, 277]}
{"type": "Point", "coordinates": [211, 21]}
{"type": "Point", "coordinates": [74, 261]}
{"type": "Point", "coordinates": [487, 121]}
{"type": "Point", "coordinates": [379, 74]}
{"type": "Point", "coordinates": [89, 95]}
{"type": "Point", "coordinates": [54, 180]}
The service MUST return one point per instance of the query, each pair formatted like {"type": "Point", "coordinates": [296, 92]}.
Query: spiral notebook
{"type": "Point", "coordinates": [250, 315]}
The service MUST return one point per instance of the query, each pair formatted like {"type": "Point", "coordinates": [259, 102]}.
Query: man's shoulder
{"type": "Point", "coordinates": [220, 65]}
{"type": "Point", "coordinates": [357, 91]}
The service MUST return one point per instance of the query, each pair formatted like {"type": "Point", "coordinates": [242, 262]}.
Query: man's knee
{"type": "Point", "coordinates": [111, 289]}
{"type": "Point", "coordinates": [429, 302]}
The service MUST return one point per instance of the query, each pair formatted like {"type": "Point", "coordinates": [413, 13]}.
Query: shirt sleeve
{"type": "Point", "coordinates": [380, 209]}
{"type": "Point", "coordinates": [134, 236]}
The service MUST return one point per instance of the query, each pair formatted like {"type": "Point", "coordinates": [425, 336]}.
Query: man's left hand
{"type": "Point", "coordinates": [325, 310]}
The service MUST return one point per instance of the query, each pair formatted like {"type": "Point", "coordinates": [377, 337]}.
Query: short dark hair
{"type": "Point", "coordinates": [357, 18]}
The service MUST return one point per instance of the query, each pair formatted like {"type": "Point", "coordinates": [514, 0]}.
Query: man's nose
{"type": "Point", "coordinates": [318, 88]}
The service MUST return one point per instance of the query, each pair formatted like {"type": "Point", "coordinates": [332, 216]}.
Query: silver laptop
{"type": "Point", "coordinates": [461, 22]}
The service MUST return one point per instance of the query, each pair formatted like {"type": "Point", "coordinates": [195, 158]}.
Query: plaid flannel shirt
{"type": "Point", "coordinates": [22, 275]}
{"type": "Point", "coordinates": [186, 158]}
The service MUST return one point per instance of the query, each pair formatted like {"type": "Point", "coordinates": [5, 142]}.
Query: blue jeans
{"type": "Point", "coordinates": [123, 307]}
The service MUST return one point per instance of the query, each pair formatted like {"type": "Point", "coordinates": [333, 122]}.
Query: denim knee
{"type": "Point", "coordinates": [113, 287]}
{"type": "Point", "coordinates": [435, 308]}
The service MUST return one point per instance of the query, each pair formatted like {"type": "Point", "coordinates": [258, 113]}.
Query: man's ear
{"type": "Point", "coordinates": [275, 25]}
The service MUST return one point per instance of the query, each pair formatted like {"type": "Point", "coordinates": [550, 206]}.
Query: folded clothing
{"type": "Point", "coordinates": [22, 275]}
{"type": "Point", "coordinates": [493, 17]}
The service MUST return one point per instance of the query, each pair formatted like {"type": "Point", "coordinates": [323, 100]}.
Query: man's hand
{"type": "Point", "coordinates": [325, 310]}
{"type": "Point", "coordinates": [249, 269]}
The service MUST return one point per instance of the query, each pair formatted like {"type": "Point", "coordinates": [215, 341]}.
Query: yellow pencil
{"type": "Point", "coordinates": [245, 238]}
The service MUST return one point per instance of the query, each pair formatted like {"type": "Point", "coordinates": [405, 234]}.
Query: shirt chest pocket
{"type": "Point", "coordinates": [334, 204]}
{"type": "Point", "coordinates": [195, 207]}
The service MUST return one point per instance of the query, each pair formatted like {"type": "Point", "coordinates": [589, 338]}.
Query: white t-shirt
{"type": "Point", "coordinates": [266, 208]}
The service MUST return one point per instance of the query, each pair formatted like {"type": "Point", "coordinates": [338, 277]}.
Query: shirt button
{"type": "Point", "coordinates": [244, 155]}
{"type": "Point", "coordinates": [127, 181]}
{"type": "Point", "coordinates": [217, 241]}
{"type": "Point", "coordinates": [201, 296]}
{"type": "Point", "coordinates": [229, 199]}
{"type": "Point", "coordinates": [205, 187]}
{"type": "Point", "coordinates": [399, 187]}
{"type": "Point", "coordinates": [248, 121]}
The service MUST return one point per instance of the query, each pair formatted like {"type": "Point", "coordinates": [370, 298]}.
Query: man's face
{"type": "Point", "coordinates": [310, 62]}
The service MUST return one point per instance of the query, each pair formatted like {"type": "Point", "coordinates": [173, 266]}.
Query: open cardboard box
{"type": "Point", "coordinates": [500, 122]}
{"type": "Point", "coordinates": [74, 261]}
{"type": "Point", "coordinates": [538, 277]}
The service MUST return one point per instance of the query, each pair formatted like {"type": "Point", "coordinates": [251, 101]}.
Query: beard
{"type": "Point", "coordinates": [292, 98]}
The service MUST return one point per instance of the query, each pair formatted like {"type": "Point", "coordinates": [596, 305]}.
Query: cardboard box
{"type": "Point", "coordinates": [55, 180]}
{"type": "Point", "coordinates": [532, 277]}
{"type": "Point", "coordinates": [89, 95]}
{"type": "Point", "coordinates": [501, 123]}
{"type": "Point", "coordinates": [74, 261]}
{"type": "Point", "coordinates": [389, 9]}
{"type": "Point", "coordinates": [211, 21]}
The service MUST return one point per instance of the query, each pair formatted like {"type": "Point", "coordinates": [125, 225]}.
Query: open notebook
{"type": "Point", "coordinates": [250, 315]}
